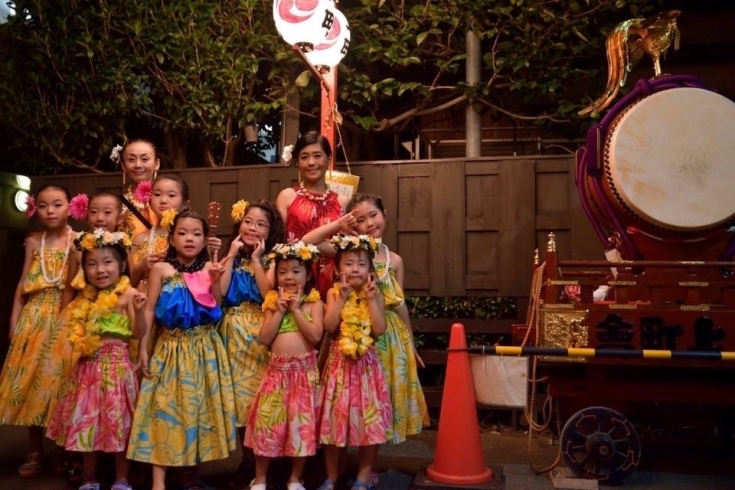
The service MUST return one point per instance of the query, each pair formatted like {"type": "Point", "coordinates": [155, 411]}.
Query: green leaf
{"type": "Point", "coordinates": [303, 79]}
{"type": "Point", "coordinates": [420, 38]}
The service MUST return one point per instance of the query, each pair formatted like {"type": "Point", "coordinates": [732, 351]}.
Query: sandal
{"type": "Point", "coordinates": [295, 485]}
{"type": "Point", "coordinates": [360, 485]}
{"type": "Point", "coordinates": [60, 458]}
{"type": "Point", "coordinates": [327, 485]}
{"type": "Point", "coordinates": [74, 473]}
{"type": "Point", "coordinates": [31, 467]}
{"type": "Point", "coordinates": [122, 485]}
{"type": "Point", "coordinates": [373, 480]}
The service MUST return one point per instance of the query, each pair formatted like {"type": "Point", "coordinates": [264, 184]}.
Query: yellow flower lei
{"type": "Point", "coordinates": [271, 299]}
{"type": "Point", "coordinates": [356, 242]}
{"type": "Point", "coordinates": [167, 218]}
{"type": "Point", "coordinates": [87, 310]}
{"type": "Point", "coordinates": [355, 330]}
{"type": "Point", "coordinates": [238, 210]}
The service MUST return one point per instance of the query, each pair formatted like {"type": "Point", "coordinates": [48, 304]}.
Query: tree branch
{"type": "Point", "coordinates": [386, 123]}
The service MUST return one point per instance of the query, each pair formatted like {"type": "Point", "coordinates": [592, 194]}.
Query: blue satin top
{"type": "Point", "coordinates": [242, 286]}
{"type": "Point", "coordinates": [176, 307]}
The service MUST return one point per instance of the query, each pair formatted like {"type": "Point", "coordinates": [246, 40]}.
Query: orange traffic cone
{"type": "Point", "coordinates": [458, 458]}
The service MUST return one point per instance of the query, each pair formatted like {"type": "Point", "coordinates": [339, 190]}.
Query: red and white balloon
{"type": "Point", "coordinates": [334, 47]}
{"type": "Point", "coordinates": [303, 22]}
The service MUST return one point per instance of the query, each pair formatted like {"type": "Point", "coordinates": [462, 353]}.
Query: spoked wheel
{"type": "Point", "coordinates": [600, 443]}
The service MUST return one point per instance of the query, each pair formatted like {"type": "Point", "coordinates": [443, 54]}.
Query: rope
{"type": "Point", "coordinates": [532, 319]}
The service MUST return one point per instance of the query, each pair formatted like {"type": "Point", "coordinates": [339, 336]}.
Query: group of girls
{"type": "Point", "coordinates": [226, 350]}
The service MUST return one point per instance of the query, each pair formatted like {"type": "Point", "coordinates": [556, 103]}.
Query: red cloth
{"type": "Point", "coordinates": [304, 215]}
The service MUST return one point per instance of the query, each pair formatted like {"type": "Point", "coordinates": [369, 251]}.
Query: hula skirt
{"type": "Point", "coordinates": [285, 410]}
{"type": "Point", "coordinates": [240, 328]}
{"type": "Point", "coordinates": [354, 399]}
{"type": "Point", "coordinates": [96, 411]}
{"type": "Point", "coordinates": [185, 412]}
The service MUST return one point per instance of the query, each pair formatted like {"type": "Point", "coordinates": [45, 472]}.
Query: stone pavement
{"type": "Point", "coordinates": [397, 464]}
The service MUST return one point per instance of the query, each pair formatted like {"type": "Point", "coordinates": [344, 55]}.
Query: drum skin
{"type": "Point", "coordinates": [670, 160]}
{"type": "Point", "coordinates": [660, 169]}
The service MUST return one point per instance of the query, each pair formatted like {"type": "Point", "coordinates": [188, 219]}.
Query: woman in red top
{"type": "Point", "coordinates": [312, 204]}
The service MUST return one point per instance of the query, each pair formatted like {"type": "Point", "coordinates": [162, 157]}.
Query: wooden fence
{"type": "Point", "coordinates": [464, 227]}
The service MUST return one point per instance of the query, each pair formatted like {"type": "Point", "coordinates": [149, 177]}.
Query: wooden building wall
{"type": "Point", "coordinates": [462, 226]}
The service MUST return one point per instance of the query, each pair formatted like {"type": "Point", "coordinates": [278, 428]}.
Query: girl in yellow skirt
{"type": "Point", "coordinates": [96, 411]}
{"type": "Point", "coordinates": [245, 281]}
{"type": "Point", "coordinates": [283, 419]}
{"type": "Point", "coordinates": [185, 412]}
{"type": "Point", "coordinates": [33, 367]}
{"type": "Point", "coordinates": [167, 195]}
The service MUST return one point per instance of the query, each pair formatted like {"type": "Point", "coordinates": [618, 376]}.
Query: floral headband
{"type": "Point", "coordinates": [287, 155]}
{"type": "Point", "coordinates": [100, 237]}
{"type": "Point", "coordinates": [298, 250]}
{"type": "Point", "coordinates": [78, 206]}
{"type": "Point", "coordinates": [356, 242]}
{"type": "Point", "coordinates": [167, 218]}
{"type": "Point", "coordinates": [238, 210]}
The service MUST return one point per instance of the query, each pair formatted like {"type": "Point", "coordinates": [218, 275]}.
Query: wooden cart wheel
{"type": "Point", "coordinates": [600, 443]}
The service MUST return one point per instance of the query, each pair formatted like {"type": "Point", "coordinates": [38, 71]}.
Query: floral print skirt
{"type": "Point", "coordinates": [38, 360]}
{"type": "Point", "coordinates": [96, 411]}
{"type": "Point", "coordinates": [283, 418]}
{"type": "Point", "coordinates": [248, 358]}
{"type": "Point", "coordinates": [185, 412]}
{"type": "Point", "coordinates": [354, 399]}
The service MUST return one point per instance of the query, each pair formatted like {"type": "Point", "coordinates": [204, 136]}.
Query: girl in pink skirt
{"type": "Point", "coordinates": [96, 411]}
{"type": "Point", "coordinates": [283, 418]}
{"type": "Point", "coordinates": [356, 408]}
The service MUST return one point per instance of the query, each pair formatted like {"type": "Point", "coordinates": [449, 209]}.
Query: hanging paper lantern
{"type": "Point", "coordinates": [331, 50]}
{"type": "Point", "coordinates": [303, 22]}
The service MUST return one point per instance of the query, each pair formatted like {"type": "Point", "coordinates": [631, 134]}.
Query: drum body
{"type": "Point", "coordinates": [661, 169]}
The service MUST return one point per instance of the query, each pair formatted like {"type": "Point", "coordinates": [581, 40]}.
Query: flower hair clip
{"type": "Point", "coordinates": [301, 251]}
{"type": "Point", "coordinates": [92, 240]}
{"type": "Point", "coordinates": [30, 206]}
{"type": "Point", "coordinates": [167, 218]}
{"type": "Point", "coordinates": [238, 210]}
{"type": "Point", "coordinates": [287, 155]}
{"type": "Point", "coordinates": [144, 192]}
{"type": "Point", "coordinates": [116, 154]}
{"type": "Point", "coordinates": [356, 242]}
{"type": "Point", "coordinates": [79, 207]}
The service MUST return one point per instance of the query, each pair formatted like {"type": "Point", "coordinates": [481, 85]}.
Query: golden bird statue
{"type": "Point", "coordinates": [627, 44]}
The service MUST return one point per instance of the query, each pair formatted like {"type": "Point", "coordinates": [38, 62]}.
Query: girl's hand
{"type": "Point", "coordinates": [151, 259]}
{"type": "Point", "coordinates": [142, 364]}
{"type": "Point", "coordinates": [258, 250]}
{"type": "Point", "coordinates": [139, 300]}
{"type": "Point", "coordinates": [283, 302]}
{"type": "Point", "coordinates": [217, 269]}
{"type": "Point", "coordinates": [344, 288]}
{"type": "Point", "coordinates": [294, 302]}
{"type": "Point", "coordinates": [348, 222]}
{"type": "Point", "coordinates": [419, 361]}
{"type": "Point", "coordinates": [213, 244]}
{"type": "Point", "coordinates": [236, 246]}
{"type": "Point", "coordinates": [371, 288]}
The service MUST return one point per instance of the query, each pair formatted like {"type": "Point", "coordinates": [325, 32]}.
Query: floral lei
{"type": "Point", "coordinates": [355, 330]}
{"type": "Point", "coordinates": [356, 242]}
{"type": "Point", "coordinates": [87, 310]}
{"type": "Point", "coordinates": [271, 299]}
